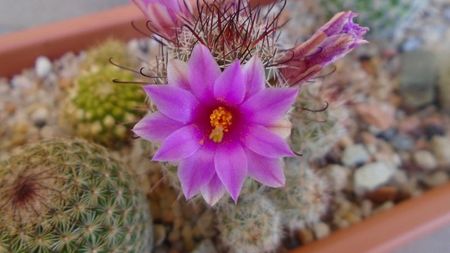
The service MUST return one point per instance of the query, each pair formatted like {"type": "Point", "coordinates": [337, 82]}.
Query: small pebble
{"type": "Point", "coordinates": [22, 82]}
{"type": "Point", "coordinates": [380, 116]}
{"type": "Point", "coordinates": [321, 230]}
{"type": "Point", "coordinates": [188, 240]}
{"type": "Point", "coordinates": [436, 179]}
{"type": "Point", "coordinates": [355, 155]}
{"type": "Point", "coordinates": [43, 66]}
{"type": "Point", "coordinates": [434, 130]}
{"type": "Point", "coordinates": [441, 149]}
{"type": "Point", "coordinates": [40, 116]}
{"type": "Point", "coordinates": [305, 236]}
{"type": "Point", "coordinates": [366, 208]}
{"type": "Point", "coordinates": [402, 142]}
{"type": "Point", "coordinates": [383, 194]}
{"type": "Point", "coordinates": [425, 160]}
{"type": "Point", "coordinates": [385, 206]}
{"type": "Point", "coordinates": [206, 246]}
{"type": "Point", "coordinates": [160, 234]}
{"type": "Point", "coordinates": [387, 135]}
{"type": "Point", "coordinates": [370, 176]}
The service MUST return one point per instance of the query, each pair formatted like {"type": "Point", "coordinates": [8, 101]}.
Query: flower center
{"type": "Point", "coordinates": [221, 120]}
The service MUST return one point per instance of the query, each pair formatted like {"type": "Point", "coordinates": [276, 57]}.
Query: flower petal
{"type": "Point", "coordinates": [213, 191]}
{"type": "Point", "coordinates": [266, 143]}
{"type": "Point", "coordinates": [282, 127]}
{"type": "Point", "coordinates": [254, 76]}
{"type": "Point", "coordinates": [174, 102]}
{"type": "Point", "coordinates": [196, 171]}
{"type": "Point", "coordinates": [265, 170]}
{"type": "Point", "coordinates": [177, 73]}
{"type": "Point", "coordinates": [160, 17]}
{"type": "Point", "coordinates": [156, 127]}
{"type": "Point", "coordinates": [230, 86]}
{"type": "Point", "coordinates": [180, 144]}
{"type": "Point", "coordinates": [203, 72]}
{"type": "Point", "coordinates": [230, 162]}
{"type": "Point", "coordinates": [269, 105]}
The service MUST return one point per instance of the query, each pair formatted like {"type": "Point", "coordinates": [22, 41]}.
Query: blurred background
{"type": "Point", "coordinates": [17, 15]}
{"type": "Point", "coordinates": [20, 14]}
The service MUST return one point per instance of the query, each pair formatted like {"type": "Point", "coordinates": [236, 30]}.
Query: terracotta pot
{"type": "Point", "coordinates": [19, 50]}
{"type": "Point", "coordinates": [380, 233]}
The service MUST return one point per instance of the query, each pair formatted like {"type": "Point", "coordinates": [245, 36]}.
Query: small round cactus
{"type": "Point", "coordinates": [252, 226]}
{"type": "Point", "coordinates": [111, 49]}
{"type": "Point", "coordinates": [317, 126]}
{"type": "Point", "coordinates": [303, 200]}
{"type": "Point", "coordinates": [98, 109]}
{"type": "Point", "coordinates": [71, 196]}
{"type": "Point", "coordinates": [385, 18]}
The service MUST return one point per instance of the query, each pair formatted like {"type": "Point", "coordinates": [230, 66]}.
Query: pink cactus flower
{"type": "Point", "coordinates": [164, 15]}
{"type": "Point", "coordinates": [220, 127]}
{"type": "Point", "coordinates": [332, 41]}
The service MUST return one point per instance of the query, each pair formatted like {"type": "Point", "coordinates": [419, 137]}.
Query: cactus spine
{"type": "Point", "coordinates": [303, 200]}
{"type": "Point", "coordinates": [252, 226]}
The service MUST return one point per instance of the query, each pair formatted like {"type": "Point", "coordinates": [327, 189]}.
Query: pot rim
{"type": "Point", "coordinates": [19, 50]}
{"type": "Point", "coordinates": [390, 229]}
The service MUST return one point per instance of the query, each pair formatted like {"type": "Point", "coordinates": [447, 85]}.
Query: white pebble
{"type": "Point", "coordinates": [355, 155]}
{"type": "Point", "coordinates": [425, 160]}
{"type": "Point", "coordinates": [321, 230]}
{"type": "Point", "coordinates": [441, 148]}
{"type": "Point", "coordinates": [21, 82]}
{"type": "Point", "coordinates": [371, 176]}
{"type": "Point", "coordinates": [43, 66]}
{"type": "Point", "coordinates": [40, 116]}
{"type": "Point", "coordinates": [436, 179]}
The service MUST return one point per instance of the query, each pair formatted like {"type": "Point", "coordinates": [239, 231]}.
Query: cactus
{"type": "Point", "coordinates": [385, 18]}
{"type": "Point", "coordinates": [303, 200]}
{"type": "Point", "coordinates": [317, 127]}
{"type": "Point", "coordinates": [71, 196]}
{"type": "Point", "coordinates": [252, 226]}
{"type": "Point", "coordinates": [110, 49]}
{"type": "Point", "coordinates": [98, 109]}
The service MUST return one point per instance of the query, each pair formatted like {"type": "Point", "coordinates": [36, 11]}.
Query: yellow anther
{"type": "Point", "coordinates": [220, 120]}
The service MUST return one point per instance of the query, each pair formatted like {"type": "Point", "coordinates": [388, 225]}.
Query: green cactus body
{"type": "Point", "coordinates": [303, 200]}
{"type": "Point", "coordinates": [99, 110]}
{"type": "Point", "coordinates": [61, 196]}
{"type": "Point", "coordinates": [252, 226]}
{"type": "Point", "coordinates": [111, 49]}
{"type": "Point", "coordinates": [384, 17]}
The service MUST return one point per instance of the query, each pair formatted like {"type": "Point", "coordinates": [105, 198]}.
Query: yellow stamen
{"type": "Point", "coordinates": [220, 120]}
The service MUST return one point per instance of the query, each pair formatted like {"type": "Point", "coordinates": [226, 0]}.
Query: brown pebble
{"type": "Point", "coordinates": [160, 234]}
{"type": "Point", "coordinates": [368, 138]}
{"type": "Point", "coordinates": [305, 236]}
{"type": "Point", "coordinates": [383, 194]}
{"type": "Point", "coordinates": [188, 241]}
{"type": "Point", "coordinates": [376, 115]}
{"type": "Point", "coordinates": [174, 235]}
{"type": "Point", "coordinates": [10, 108]}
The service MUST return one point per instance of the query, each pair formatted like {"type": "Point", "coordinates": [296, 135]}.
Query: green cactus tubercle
{"type": "Point", "coordinates": [99, 109]}
{"type": "Point", "coordinates": [71, 196]}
